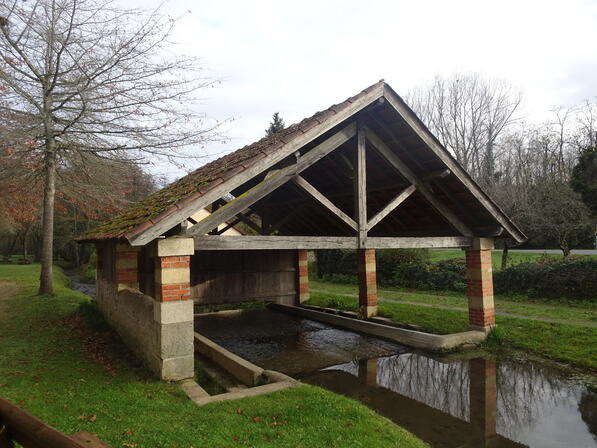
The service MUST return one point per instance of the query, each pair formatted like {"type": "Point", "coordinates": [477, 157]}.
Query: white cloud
{"type": "Point", "coordinates": [300, 57]}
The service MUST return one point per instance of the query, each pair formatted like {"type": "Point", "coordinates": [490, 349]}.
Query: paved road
{"type": "Point", "coordinates": [456, 308]}
{"type": "Point", "coordinates": [555, 251]}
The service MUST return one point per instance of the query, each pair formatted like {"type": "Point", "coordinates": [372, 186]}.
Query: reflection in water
{"type": "Point", "coordinates": [448, 403]}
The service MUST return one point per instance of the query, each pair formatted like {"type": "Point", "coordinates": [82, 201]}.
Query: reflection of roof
{"type": "Point", "coordinates": [153, 208]}
{"type": "Point", "coordinates": [398, 128]}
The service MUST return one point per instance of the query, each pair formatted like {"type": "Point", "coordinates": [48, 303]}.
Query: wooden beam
{"type": "Point", "coordinates": [142, 238]}
{"type": "Point", "coordinates": [399, 199]}
{"type": "Point", "coordinates": [250, 242]}
{"type": "Point", "coordinates": [228, 226]}
{"type": "Point", "coordinates": [417, 242]}
{"type": "Point", "coordinates": [311, 190]}
{"type": "Point", "coordinates": [427, 137]}
{"type": "Point", "coordinates": [403, 169]}
{"type": "Point", "coordinates": [360, 187]}
{"type": "Point", "coordinates": [265, 187]}
{"type": "Point", "coordinates": [244, 218]}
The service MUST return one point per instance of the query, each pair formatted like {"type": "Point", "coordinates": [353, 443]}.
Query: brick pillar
{"type": "Point", "coordinates": [482, 399]}
{"type": "Point", "coordinates": [368, 371]}
{"type": "Point", "coordinates": [172, 278]}
{"type": "Point", "coordinates": [173, 308]}
{"type": "Point", "coordinates": [302, 276]}
{"type": "Point", "coordinates": [367, 283]}
{"type": "Point", "coordinates": [126, 261]}
{"type": "Point", "coordinates": [479, 274]}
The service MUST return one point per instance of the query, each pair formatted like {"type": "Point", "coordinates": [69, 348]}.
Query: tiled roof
{"type": "Point", "coordinates": [149, 211]}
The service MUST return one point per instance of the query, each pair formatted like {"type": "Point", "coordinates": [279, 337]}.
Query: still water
{"type": "Point", "coordinates": [448, 402]}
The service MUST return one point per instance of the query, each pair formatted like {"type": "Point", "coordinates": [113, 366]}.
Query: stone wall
{"type": "Point", "coordinates": [159, 333]}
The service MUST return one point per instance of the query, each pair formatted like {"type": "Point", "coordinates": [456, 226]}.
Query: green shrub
{"type": "Point", "coordinates": [549, 278]}
{"type": "Point", "coordinates": [573, 279]}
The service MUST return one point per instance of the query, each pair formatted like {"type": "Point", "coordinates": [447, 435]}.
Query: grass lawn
{"type": "Point", "coordinates": [568, 343]}
{"type": "Point", "coordinates": [549, 308]}
{"type": "Point", "coordinates": [514, 258]}
{"type": "Point", "coordinates": [57, 369]}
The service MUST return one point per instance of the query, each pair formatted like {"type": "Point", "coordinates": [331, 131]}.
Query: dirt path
{"type": "Point", "coordinates": [456, 308]}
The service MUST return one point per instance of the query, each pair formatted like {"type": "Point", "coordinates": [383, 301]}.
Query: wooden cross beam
{"type": "Point", "coordinates": [399, 199]}
{"type": "Point", "coordinates": [311, 190]}
{"type": "Point", "coordinates": [385, 151]}
{"type": "Point", "coordinates": [268, 185]}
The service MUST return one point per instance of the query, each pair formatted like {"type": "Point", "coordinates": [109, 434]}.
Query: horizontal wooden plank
{"type": "Point", "coordinates": [221, 242]}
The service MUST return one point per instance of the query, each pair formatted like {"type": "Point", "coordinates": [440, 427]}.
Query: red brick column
{"type": "Point", "coordinates": [367, 282]}
{"type": "Point", "coordinates": [480, 285]}
{"type": "Point", "coordinates": [126, 263]}
{"type": "Point", "coordinates": [172, 278]}
{"type": "Point", "coordinates": [302, 275]}
{"type": "Point", "coordinates": [483, 399]}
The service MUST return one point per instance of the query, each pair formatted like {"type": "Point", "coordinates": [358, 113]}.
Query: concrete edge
{"type": "Point", "coordinates": [412, 338]}
{"type": "Point", "coordinates": [193, 390]}
{"type": "Point", "coordinates": [246, 372]}
{"type": "Point", "coordinates": [244, 393]}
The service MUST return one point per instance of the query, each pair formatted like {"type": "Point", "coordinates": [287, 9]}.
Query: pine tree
{"type": "Point", "coordinates": [276, 125]}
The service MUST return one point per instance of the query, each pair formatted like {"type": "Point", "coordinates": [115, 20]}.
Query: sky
{"type": "Point", "coordinates": [300, 57]}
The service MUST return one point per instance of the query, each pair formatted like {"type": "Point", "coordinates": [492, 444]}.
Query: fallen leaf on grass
{"type": "Point", "coordinates": [257, 419]}
{"type": "Point", "coordinates": [130, 445]}
{"type": "Point", "coordinates": [2, 384]}
{"type": "Point", "coordinates": [93, 418]}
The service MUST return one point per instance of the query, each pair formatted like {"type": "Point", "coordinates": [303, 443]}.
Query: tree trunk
{"type": "Point", "coordinates": [47, 243]}
{"type": "Point", "coordinates": [25, 238]}
{"type": "Point", "coordinates": [565, 249]}
{"type": "Point", "coordinates": [505, 256]}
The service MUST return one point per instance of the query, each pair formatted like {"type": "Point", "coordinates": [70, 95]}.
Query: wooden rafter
{"type": "Point", "coordinates": [425, 135]}
{"type": "Point", "coordinates": [268, 185]}
{"type": "Point", "coordinates": [405, 171]}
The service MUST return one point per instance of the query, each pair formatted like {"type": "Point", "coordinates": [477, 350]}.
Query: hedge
{"type": "Point", "coordinates": [575, 279]}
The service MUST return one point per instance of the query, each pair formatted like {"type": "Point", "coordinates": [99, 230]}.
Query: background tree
{"type": "Point", "coordinates": [83, 77]}
{"type": "Point", "coordinates": [584, 178]}
{"type": "Point", "coordinates": [276, 125]}
{"type": "Point", "coordinates": [467, 114]}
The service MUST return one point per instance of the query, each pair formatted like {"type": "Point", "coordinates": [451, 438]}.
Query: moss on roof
{"type": "Point", "coordinates": [164, 201]}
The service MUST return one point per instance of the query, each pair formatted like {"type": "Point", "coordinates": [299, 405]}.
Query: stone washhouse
{"type": "Point", "coordinates": [364, 174]}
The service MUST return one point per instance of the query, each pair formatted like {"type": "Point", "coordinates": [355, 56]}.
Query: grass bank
{"type": "Point", "coordinates": [514, 258]}
{"type": "Point", "coordinates": [55, 368]}
{"type": "Point", "coordinates": [533, 307]}
{"type": "Point", "coordinates": [568, 343]}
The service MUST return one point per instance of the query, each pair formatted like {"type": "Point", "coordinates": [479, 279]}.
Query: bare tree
{"type": "Point", "coordinates": [86, 77]}
{"type": "Point", "coordinates": [467, 113]}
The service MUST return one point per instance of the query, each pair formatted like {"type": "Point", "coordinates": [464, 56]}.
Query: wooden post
{"type": "Point", "coordinates": [367, 283]}
{"type": "Point", "coordinates": [479, 274]}
{"type": "Point", "coordinates": [302, 276]}
{"type": "Point", "coordinates": [360, 189]}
